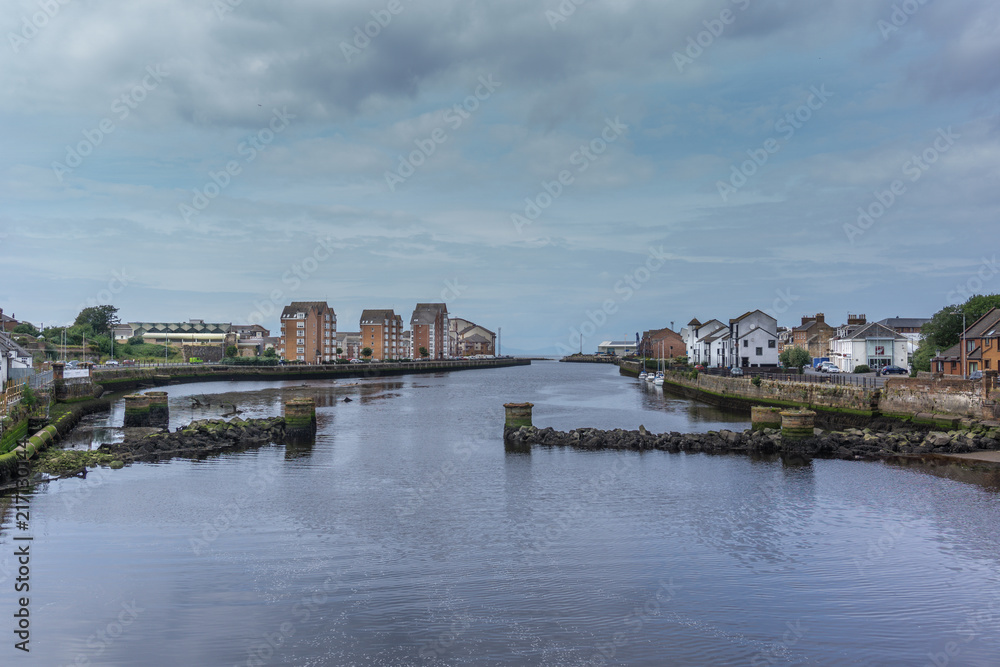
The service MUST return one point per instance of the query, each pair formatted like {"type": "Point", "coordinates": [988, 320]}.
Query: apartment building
{"type": "Point", "coordinates": [308, 332]}
{"type": "Point", "coordinates": [350, 344]}
{"type": "Point", "coordinates": [382, 331]}
{"type": "Point", "coordinates": [466, 338]}
{"type": "Point", "coordinates": [429, 329]}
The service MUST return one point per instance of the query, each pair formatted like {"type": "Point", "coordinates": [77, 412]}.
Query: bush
{"type": "Point", "coordinates": [863, 368]}
{"type": "Point", "coordinates": [755, 381]}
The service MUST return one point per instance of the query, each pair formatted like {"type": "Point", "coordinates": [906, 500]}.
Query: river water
{"type": "Point", "coordinates": [407, 536]}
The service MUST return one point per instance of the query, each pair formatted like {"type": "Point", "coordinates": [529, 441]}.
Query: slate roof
{"type": "Point", "coordinates": [904, 322]}
{"type": "Point", "coordinates": [302, 307]}
{"type": "Point", "coordinates": [875, 330]}
{"type": "Point", "coordinates": [376, 316]}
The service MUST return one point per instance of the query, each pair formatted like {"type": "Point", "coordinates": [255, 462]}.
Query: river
{"type": "Point", "coordinates": [407, 536]}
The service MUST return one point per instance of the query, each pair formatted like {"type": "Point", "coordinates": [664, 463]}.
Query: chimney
{"type": "Point", "coordinates": [820, 318]}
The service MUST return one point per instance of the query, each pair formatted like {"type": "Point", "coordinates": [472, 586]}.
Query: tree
{"type": "Point", "coordinates": [136, 340]}
{"type": "Point", "coordinates": [340, 351]}
{"type": "Point", "coordinates": [424, 353]}
{"type": "Point", "coordinates": [367, 352]}
{"type": "Point", "coordinates": [26, 328]}
{"type": "Point", "coordinates": [795, 356]}
{"type": "Point", "coordinates": [100, 318]}
{"type": "Point", "coordinates": [945, 328]}
{"type": "Point", "coordinates": [232, 351]}
{"type": "Point", "coordinates": [270, 353]}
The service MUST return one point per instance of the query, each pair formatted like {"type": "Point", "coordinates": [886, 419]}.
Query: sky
{"type": "Point", "coordinates": [554, 169]}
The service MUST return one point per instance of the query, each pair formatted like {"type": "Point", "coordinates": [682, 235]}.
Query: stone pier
{"type": "Point", "coordinates": [762, 417]}
{"type": "Point", "coordinates": [518, 414]}
{"type": "Point", "coordinates": [136, 410]}
{"type": "Point", "coordinates": [159, 410]}
{"type": "Point", "coordinates": [797, 424]}
{"type": "Point", "coordinates": [300, 418]}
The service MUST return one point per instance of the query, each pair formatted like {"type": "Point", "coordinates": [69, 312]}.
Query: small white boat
{"type": "Point", "coordinates": [658, 379]}
{"type": "Point", "coordinates": [649, 377]}
{"type": "Point", "coordinates": [642, 375]}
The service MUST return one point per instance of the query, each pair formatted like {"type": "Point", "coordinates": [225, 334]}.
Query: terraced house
{"type": "Point", "coordinates": [308, 332]}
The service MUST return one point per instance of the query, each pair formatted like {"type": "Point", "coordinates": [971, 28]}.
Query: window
{"type": "Point", "coordinates": [301, 325]}
{"type": "Point", "coordinates": [300, 350]}
{"type": "Point", "coordinates": [760, 351]}
{"type": "Point", "coordinates": [746, 343]}
{"type": "Point", "coordinates": [986, 364]}
{"type": "Point", "coordinates": [771, 344]}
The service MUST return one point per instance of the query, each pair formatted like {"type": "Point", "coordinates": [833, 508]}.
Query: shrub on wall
{"type": "Point", "coordinates": [863, 368]}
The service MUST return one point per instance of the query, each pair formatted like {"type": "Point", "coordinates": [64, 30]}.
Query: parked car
{"type": "Point", "coordinates": [832, 369]}
{"type": "Point", "coordinates": [110, 362]}
{"type": "Point", "coordinates": [976, 375]}
{"type": "Point", "coordinates": [128, 362]}
{"type": "Point", "coordinates": [736, 371]}
{"type": "Point", "coordinates": [700, 368]}
{"type": "Point", "coordinates": [893, 370]}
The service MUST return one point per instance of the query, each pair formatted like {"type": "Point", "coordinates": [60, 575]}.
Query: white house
{"type": "Point", "coordinates": [753, 340]}
{"type": "Point", "coordinates": [695, 336]}
{"type": "Point", "coordinates": [619, 348]}
{"type": "Point", "coordinates": [717, 344]}
{"type": "Point", "coordinates": [873, 345]}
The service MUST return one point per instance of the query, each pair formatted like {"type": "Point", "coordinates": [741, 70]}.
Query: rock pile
{"type": "Point", "coordinates": [200, 437]}
{"type": "Point", "coordinates": [848, 444]}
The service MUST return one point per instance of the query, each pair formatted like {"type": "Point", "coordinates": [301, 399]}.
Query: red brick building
{"type": "Point", "coordinates": [308, 332]}
{"type": "Point", "coordinates": [429, 329]}
{"type": "Point", "coordinates": [382, 331]}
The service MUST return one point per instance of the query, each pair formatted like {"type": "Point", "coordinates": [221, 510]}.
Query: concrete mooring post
{"type": "Point", "coordinates": [136, 410]}
{"type": "Point", "coordinates": [797, 424]}
{"type": "Point", "coordinates": [300, 418]}
{"type": "Point", "coordinates": [159, 410]}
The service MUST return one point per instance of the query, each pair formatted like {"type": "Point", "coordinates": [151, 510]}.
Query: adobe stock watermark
{"type": "Point", "coordinates": [714, 28]}
{"type": "Point", "coordinates": [901, 14]}
{"type": "Point", "coordinates": [249, 149]}
{"type": "Point", "coordinates": [974, 285]}
{"type": "Point", "coordinates": [626, 287]}
{"type": "Point", "coordinates": [783, 300]}
{"type": "Point", "coordinates": [116, 285]}
{"type": "Point", "coordinates": [581, 158]}
{"type": "Point", "coordinates": [562, 12]}
{"type": "Point", "coordinates": [297, 274]}
{"type": "Point", "coordinates": [223, 7]}
{"type": "Point", "coordinates": [363, 35]}
{"type": "Point", "coordinates": [35, 23]}
{"type": "Point", "coordinates": [121, 107]}
{"type": "Point", "coordinates": [453, 118]}
{"type": "Point", "coordinates": [104, 637]}
{"type": "Point", "coordinates": [913, 168]}
{"type": "Point", "coordinates": [776, 653]}
{"type": "Point", "coordinates": [786, 127]}
{"type": "Point", "coordinates": [976, 623]}
{"type": "Point", "coordinates": [634, 622]}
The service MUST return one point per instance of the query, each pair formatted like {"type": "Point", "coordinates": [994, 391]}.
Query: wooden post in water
{"type": "Point", "coordinates": [136, 410]}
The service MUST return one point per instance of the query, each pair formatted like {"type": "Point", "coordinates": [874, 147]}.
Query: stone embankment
{"type": "Point", "coordinates": [847, 444]}
{"type": "Point", "coordinates": [205, 436]}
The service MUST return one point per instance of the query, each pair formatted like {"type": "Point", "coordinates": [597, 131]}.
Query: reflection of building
{"type": "Point", "coordinates": [429, 329]}
{"type": "Point", "coordinates": [382, 331]}
{"type": "Point", "coordinates": [469, 338]}
{"type": "Point", "coordinates": [308, 332]}
{"type": "Point", "coordinates": [982, 348]}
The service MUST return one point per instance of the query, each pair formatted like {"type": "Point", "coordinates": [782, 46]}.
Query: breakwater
{"type": "Point", "coordinates": [847, 444]}
{"type": "Point", "coordinates": [129, 379]}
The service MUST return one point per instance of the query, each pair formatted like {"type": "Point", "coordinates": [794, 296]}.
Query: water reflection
{"type": "Point", "coordinates": [980, 473]}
